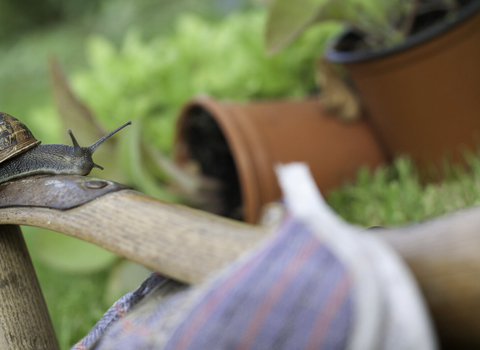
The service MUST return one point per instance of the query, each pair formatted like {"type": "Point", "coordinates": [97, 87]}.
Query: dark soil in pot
{"type": "Point", "coordinates": [426, 25]}
{"type": "Point", "coordinates": [210, 150]}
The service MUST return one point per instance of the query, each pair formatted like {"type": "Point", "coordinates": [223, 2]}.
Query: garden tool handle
{"type": "Point", "coordinates": [188, 244]}
{"type": "Point", "coordinates": [444, 256]}
{"type": "Point", "coordinates": [180, 242]}
{"type": "Point", "coordinates": [24, 319]}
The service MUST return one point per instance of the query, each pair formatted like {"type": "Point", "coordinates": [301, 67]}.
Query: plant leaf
{"type": "Point", "coordinates": [75, 114]}
{"type": "Point", "coordinates": [78, 117]}
{"type": "Point", "coordinates": [288, 19]}
{"type": "Point", "coordinates": [379, 19]}
{"type": "Point", "coordinates": [143, 180]}
{"type": "Point", "coordinates": [195, 189]}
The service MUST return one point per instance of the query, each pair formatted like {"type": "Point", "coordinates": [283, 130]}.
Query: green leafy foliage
{"type": "Point", "coordinates": [396, 194]}
{"type": "Point", "coordinates": [21, 16]}
{"type": "Point", "coordinates": [75, 303]}
{"type": "Point", "coordinates": [380, 19]}
{"type": "Point", "coordinates": [152, 80]}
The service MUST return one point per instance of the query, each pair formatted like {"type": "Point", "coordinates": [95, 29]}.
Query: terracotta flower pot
{"type": "Point", "coordinates": [241, 143]}
{"type": "Point", "coordinates": [422, 97]}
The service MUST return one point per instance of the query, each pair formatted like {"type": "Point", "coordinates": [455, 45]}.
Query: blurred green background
{"type": "Point", "coordinates": [133, 60]}
{"type": "Point", "coordinates": [142, 60]}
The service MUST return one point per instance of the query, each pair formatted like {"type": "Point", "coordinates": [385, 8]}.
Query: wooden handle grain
{"type": "Point", "coordinates": [180, 242]}
{"type": "Point", "coordinates": [444, 256]}
{"type": "Point", "coordinates": [24, 318]}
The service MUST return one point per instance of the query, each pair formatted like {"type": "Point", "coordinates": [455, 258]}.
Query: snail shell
{"type": "Point", "coordinates": [15, 137]}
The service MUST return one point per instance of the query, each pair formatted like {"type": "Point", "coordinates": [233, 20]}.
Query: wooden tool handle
{"type": "Point", "coordinates": [180, 242]}
{"type": "Point", "coordinates": [24, 319]}
{"type": "Point", "coordinates": [444, 256]}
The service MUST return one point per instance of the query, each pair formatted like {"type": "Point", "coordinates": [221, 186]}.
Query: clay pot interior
{"type": "Point", "coordinates": [209, 149]}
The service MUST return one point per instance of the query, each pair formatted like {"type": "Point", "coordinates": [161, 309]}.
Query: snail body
{"type": "Point", "coordinates": [22, 155]}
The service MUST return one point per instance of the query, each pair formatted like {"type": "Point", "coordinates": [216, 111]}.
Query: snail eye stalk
{"type": "Point", "coordinates": [78, 151]}
{"type": "Point", "coordinates": [92, 148]}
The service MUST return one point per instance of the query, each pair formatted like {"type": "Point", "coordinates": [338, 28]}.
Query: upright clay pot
{"type": "Point", "coordinates": [422, 98]}
{"type": "Point", "coordinates": [262, 134]}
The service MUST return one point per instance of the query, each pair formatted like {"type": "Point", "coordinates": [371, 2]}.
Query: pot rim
{"type": "Point", "coordinates": [235, 138]}
{"type": "Point", "coordinates": [334, 55]}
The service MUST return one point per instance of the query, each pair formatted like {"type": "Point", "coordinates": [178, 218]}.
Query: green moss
{"type": "Point", "coordinates": [397, 195]}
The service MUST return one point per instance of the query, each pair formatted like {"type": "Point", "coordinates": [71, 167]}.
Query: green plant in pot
{"type": "Point", "coordinates": [415, 66]}
{"type": "Point", "coordinates": [381, 21]}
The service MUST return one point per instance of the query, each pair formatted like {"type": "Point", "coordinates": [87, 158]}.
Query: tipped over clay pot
{"type": "Point", "coordinates": [240, 144]}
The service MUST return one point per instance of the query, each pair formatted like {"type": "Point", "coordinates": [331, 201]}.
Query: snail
{"type": "Point", "coordinates": [22, 155]}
